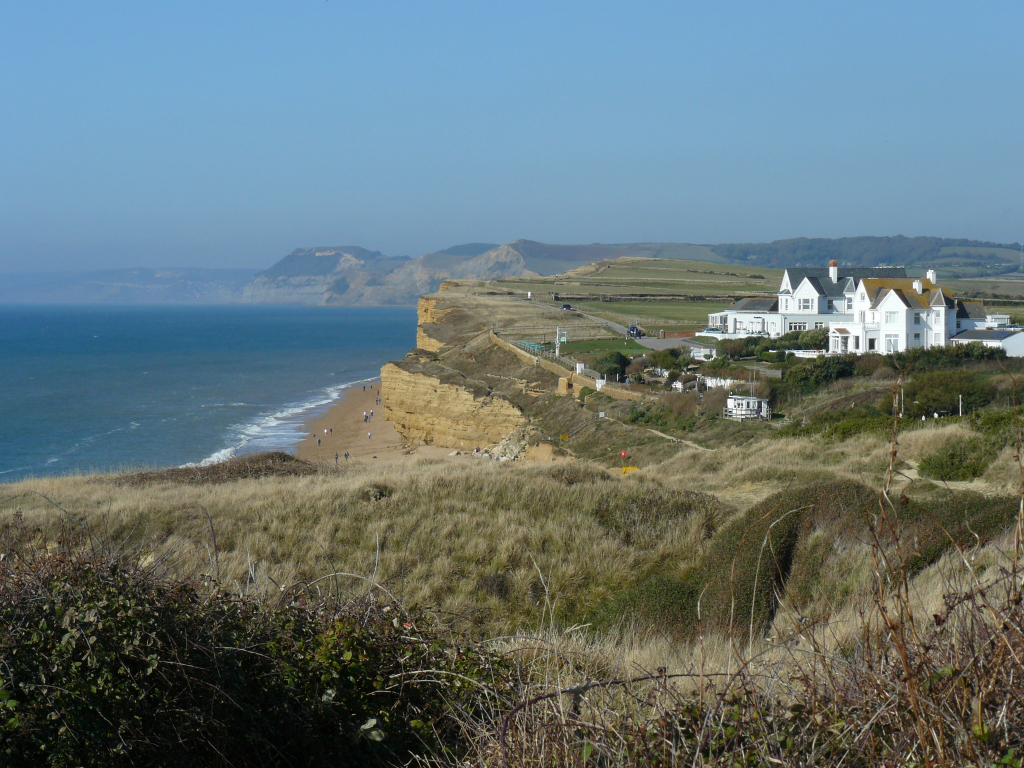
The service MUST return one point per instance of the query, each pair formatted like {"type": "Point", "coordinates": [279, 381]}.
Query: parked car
{"type": "Point", "coordinates": [567, 306]}
{"type": "Point", "coordinates": [634, 332]}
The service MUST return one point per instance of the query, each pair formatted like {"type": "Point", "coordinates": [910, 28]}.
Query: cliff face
{"type": "Point", "coordinates": [427, 311]}
{"type": "Point", "coordinates": [426, 410]}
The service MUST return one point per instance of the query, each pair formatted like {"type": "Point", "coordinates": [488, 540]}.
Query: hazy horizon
{"type": "Point", "coordinates": [227, 136]}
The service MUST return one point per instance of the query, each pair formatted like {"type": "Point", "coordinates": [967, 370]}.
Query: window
{"type": "Point", "coordinates": [957, 323]}
{"type": "Point", "coordinates": [917, 338]}
{"type": "Point", "coordinates": [819, 325]}
{"type": "Point", "coordinates": [830, 305]}
{"type": "Point", "coordinates": [863, 296]}
{"type": "Point", "coordinates": [806, 304]}
{"type": "Point", "coordinates": [892, 318]}
{"type": "Point", "coordinates": [917, 319]}
{"type": "Point", "coordinates": [798, 326]}
{"type": "Point", "coordinates": [849, 304]}
{"type": "Point", "coordinates": [856, 342]}
{"type": "Point", "coordinates": [871, 345]}
{"type": "Point", "coordinates": [785, 303]}
{"type": "Point", "coordinates": [892, 342]}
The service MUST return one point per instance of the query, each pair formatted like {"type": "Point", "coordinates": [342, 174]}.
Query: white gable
{"type": "Point", "coordinates": [891, 301]}
{"type": "Point", "coordinates": [805, 290]}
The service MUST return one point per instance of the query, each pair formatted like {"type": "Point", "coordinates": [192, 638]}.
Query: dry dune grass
{"type": "Point", "coordinates": [483, 543]}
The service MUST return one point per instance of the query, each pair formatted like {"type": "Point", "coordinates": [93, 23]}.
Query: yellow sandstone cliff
{"type": "Point", "coordinates": [426, 410]}
{"type": "Point", "coordinates": [427, 311]}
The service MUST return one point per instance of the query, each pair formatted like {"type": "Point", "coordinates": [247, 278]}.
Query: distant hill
{"type": "Point", "coordinates": [350, 275]}
{"type": "Point", "coordinates": [127, 286]}
{"type": "Point", "coordinates": [952, 258]}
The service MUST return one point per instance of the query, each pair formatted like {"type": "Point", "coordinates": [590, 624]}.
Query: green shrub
{"type": "Point", "coordinates": [105, 663]}
{"type": "Point", "coordinates": [666, 604]}
{"type": "Point", "coordinates": [811, 375]}
{"type": "Point", "coordinates": [941, 391]}
{"type": "Point", "coordinates": [613, 364]}
{"type": "Point", "coordinates": [958, 461]}
{"type": "Point", "coordinates": [920, 359]}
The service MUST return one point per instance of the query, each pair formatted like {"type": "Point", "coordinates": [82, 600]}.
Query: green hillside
{"type": "Point", "coordinates": [960, 258]}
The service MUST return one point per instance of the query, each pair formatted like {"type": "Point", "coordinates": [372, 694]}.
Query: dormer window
{"type": "Point", "coordinates": [863, 296]}
{"type": "Point", "coordinates": [849, 304]}
{"type": "Point", "coordinates": [805, 304]}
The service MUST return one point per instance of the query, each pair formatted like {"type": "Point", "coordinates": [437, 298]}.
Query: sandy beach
{"type": "Point", "coordinates": [342, 429]}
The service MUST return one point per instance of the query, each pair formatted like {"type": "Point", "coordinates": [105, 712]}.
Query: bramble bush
{"type": "Point", "coordinates": [105, 662]}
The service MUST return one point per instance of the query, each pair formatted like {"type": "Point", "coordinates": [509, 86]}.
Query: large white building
{"type": "Point", "coordinates": [875, 309]}
{"type": "Point", "coordinates": [808, 298]}
{"type": "Point", "coordinates": [896, 314]}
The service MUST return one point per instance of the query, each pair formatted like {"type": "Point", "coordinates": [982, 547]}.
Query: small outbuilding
{"type": "Point", "coordinates": [1009, 339]}
{"type": "Point", "coordinates": [745, 407]}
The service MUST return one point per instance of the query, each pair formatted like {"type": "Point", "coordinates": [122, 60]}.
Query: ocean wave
{"type": "Point", "coordinates": [280, 430]}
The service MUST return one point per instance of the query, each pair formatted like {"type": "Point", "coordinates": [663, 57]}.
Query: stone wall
{"type": "Point", "coordinates": [427, 411]}
{"type": "Point", "coordinates": [574, 381]}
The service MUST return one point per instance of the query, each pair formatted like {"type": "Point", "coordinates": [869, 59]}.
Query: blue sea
{"type": "Point", "coordinates": [98, 388]}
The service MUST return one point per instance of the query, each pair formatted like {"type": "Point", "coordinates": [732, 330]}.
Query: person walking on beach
{"type": "Point", "coordinates": [335, 459]}
{"type": "Point", "coordinates": [332, 431]}
{"type": "Point", "coordinates": [369, 435]}
{"type": "Point", "coordinates": [346, 455]}
{"type": "Point", "coordinates": [318, 442]}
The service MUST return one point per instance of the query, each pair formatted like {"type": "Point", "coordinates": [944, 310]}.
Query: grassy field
{"type": "Point", "coordinates": [590, 347]}
{"type": "Point", "coordinates": [653, 276]}
{"type": "Point", "coordinates": [655, 315]}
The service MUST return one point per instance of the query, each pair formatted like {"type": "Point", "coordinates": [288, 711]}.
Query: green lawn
{"type": "Point", "coordinates": [591, 346]}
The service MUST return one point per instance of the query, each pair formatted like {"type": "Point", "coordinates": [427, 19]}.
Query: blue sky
{"type": "Point", "coordinates": [228, 133]}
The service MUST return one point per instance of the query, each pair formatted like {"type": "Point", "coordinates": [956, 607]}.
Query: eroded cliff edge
{"type": "Point", "coordinates": [457, 389]}
{"type": "Point", "coordinates": [440, 407]}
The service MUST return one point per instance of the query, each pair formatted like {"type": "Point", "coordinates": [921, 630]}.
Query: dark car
{"type": "Point", "coordinates": [634, 332]}
{"type": "Point", "coordinates": [566, 306]}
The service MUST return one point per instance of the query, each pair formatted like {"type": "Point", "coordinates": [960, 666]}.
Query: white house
{"type": "Point", "coordinates": [895, 314]}
{"type": "Point", "coordinates": [744, 407]}
{"type": "Point", "coordinates": [1009, 339]}
{"type": "Point", "coordinates": [808, 298]}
